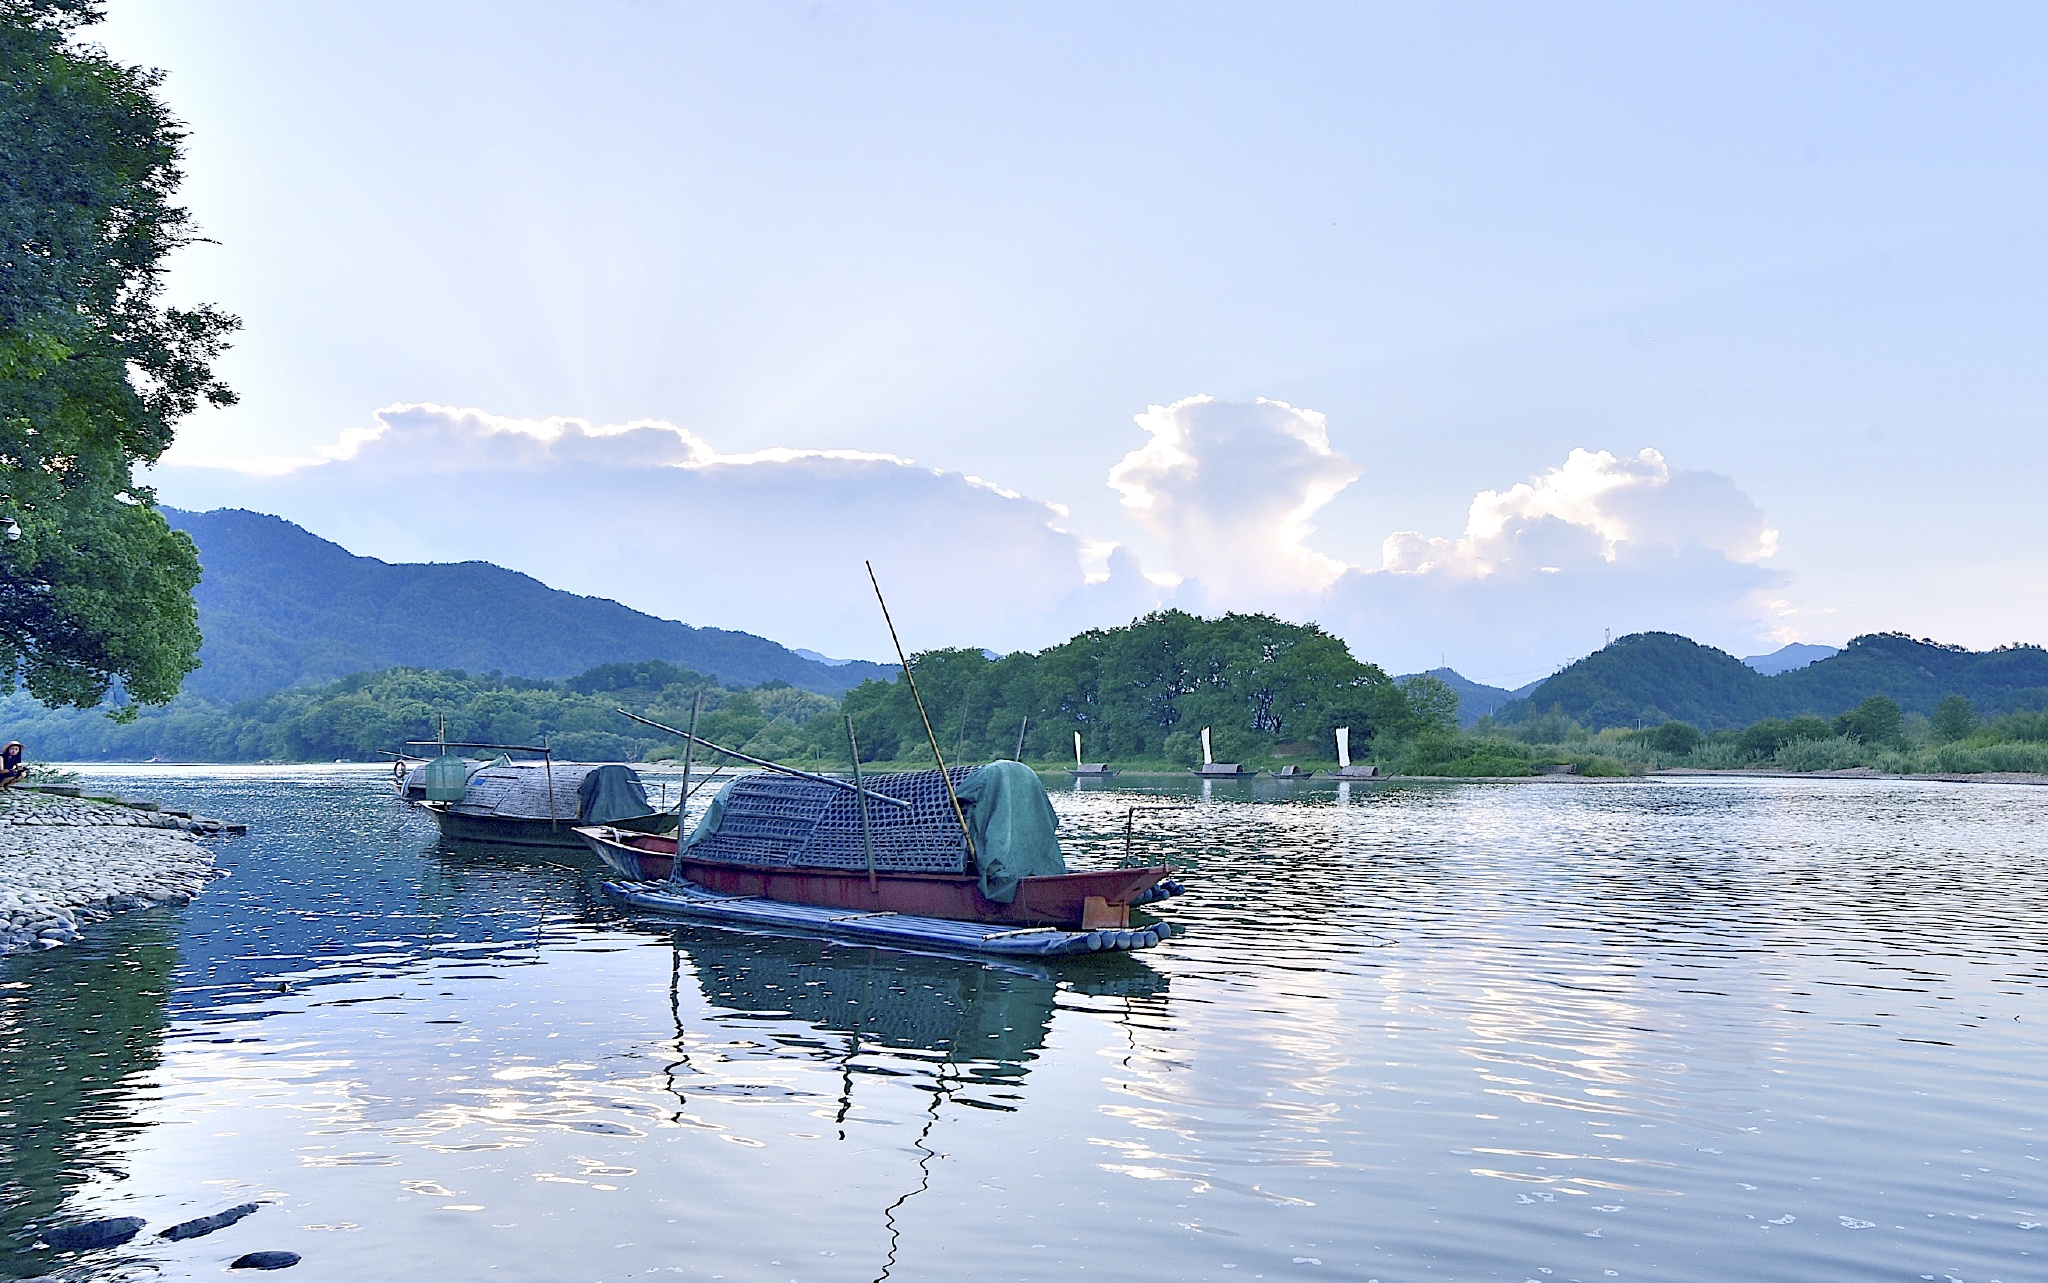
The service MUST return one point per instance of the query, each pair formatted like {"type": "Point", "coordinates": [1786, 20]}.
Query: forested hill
{"type": "Point", "coordinates": [1649, 678]}
{"type": "Point", "coordinates": [1267, 690]}
{"type": "Point", "coordinates": [280, 607]}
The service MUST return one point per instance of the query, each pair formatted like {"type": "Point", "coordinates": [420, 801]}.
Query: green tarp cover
{"type": "Point", "coordinates": [610, 794]}
{"type": "Point", "coordinates": [1015, 830]}
{"type": "Point", "coordinates": [707, 826]}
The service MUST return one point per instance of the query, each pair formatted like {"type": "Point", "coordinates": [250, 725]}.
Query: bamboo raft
{"type": "Point", "coordinates": [690, 900]}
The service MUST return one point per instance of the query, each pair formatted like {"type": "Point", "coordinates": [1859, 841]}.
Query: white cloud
{"type": "Point", "coordinates": [655, 516]}
{"type": "Point", "coordinates": [772, 541]}
{"type": "Point", "coordinates": [1230, 490]}
{"type": "Point", "coordinates": [1595, 504]}
{"type": "Point", "coordinates": [1542, 572]}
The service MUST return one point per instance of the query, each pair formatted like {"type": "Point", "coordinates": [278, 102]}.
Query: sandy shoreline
{"type": "Point", "coordinates": [69, 861]}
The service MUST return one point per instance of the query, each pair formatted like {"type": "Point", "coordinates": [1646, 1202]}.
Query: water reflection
{"type": "Point", "coordinates": [962, 1031]}
{"type": "Point", "coordinates": [968, 1029]}
{"type": "Point", "coordinates": [79, 1032]}
{"type": "Point", "coordinates": [1454, 1031]}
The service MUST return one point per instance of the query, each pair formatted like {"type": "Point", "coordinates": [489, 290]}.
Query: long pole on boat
{"type": "Point", "coordinates": [1020, 738]}
{"type": "Point", "coordinates": [763, 763]}
{"type": "Point", "coordinates": [904, 660]}
{"type": "Point", "coordinates": [675, 868]}
{"type": "Point", "coordinates": [867, 841]}
{"type": "Point", "coordinates": [548, 756]}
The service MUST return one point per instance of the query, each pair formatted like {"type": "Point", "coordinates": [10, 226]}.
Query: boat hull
{"type": "Point", "coordinates": [1071, 900]}
{"type": "Point", "coordinates": [558, 835]}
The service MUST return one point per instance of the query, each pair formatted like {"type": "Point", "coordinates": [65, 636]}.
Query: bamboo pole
{"type": "Point", "coordinates": [548, 756]}
{"type": "Point", "coordinates": [763, 763]}
{"type": "Point", "coordinates": [867, 842]}
{"type": "Point", "coordinates": [675, 867]}
{"type": "Point", "coordinates": [904, 660]}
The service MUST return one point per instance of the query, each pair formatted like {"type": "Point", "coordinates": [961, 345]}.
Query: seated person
{"type": "Point", "coordinates": [12, 772]}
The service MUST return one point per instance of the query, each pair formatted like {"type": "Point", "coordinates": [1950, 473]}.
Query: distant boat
{"type": "Point", "coordinates": [1088, 770]}
{"type": "Point", "coordinates": [1346, 769]}
{"type": "Point", "coordinates": [1292, 773]}
{"type": "Point", "coordinates": [1211, 769]}
{"type": "Point", "coordinates": [534, 804]}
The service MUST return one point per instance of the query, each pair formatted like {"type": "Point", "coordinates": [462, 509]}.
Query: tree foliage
{"type": "Point", "coordinates": [365, 715]}
{"type": "Point", "coordinates": [1876, 720]}
{"type": "Point", "coordinates": [1953, 718]}
{"type": "Point", "coordinates": [95, 369]}
{"type": "Point", "coordinates": [1142, 692]}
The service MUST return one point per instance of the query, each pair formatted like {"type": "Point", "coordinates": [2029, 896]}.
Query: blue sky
{"type": "Point", "coordinates": [1796, 251]}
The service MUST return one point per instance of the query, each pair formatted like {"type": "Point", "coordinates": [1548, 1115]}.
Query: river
{"type": "Point", "coordinates": [1646, 1029]}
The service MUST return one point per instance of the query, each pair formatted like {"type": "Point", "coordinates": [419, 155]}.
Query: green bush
{"type": "Point", "coordinates": [1834, 754]}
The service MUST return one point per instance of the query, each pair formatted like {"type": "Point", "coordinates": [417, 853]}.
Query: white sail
{"type": "Point", "coordinates": [1208, 758]}
{"type": "Point", "coordinates": [1343, 747]}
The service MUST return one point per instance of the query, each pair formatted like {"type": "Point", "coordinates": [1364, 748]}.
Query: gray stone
{"type": "Point", "coordinates": [207, 1224]}
{"type": "Point", "coordinates": [87, 1235]}
{"type": "Point", "coordinates": [264, 1261]}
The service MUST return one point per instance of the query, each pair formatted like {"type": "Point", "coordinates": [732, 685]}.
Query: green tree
{"type": "Point", "coordinates": [1876, 720]}
{"type": "Point", "coordinates": [1432, 704]}
{"type": "Point", "coordinates": [1675, 738]}
{"type": "Point", "coordinates": [1953, 718]}
{"type": "Point", "coordinates": [95, 370]}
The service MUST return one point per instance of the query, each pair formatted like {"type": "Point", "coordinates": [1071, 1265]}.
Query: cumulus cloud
{"type": "Point", "coordinates": [1230, 490]}
{"type": "Point", "coordinates": [654, 515]}
{"type": "Point", "coordinates": [1594, 506]}
{"type": "Point", "coordinates": [1542, 572]}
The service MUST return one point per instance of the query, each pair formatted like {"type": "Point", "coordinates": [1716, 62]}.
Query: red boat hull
{"type": "Point", "coordinates": [1077, 901]}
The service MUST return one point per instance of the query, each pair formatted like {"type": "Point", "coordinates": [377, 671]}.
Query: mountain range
{"type": "Point", "coordinates": [1648, 678]}
{"type": "Point", "coordinates": [1477, 700]}
{"type": "Point", "coordinates": [279, 607]}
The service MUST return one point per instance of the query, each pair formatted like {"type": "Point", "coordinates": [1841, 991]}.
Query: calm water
{"type": "Point", "coordinates": [1643, 1030]}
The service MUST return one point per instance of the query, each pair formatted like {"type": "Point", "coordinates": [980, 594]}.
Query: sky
{"type": "Point", "coordinates": [1475, 333]}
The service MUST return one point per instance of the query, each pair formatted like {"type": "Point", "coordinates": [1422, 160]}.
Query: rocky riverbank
{"type": "Point", "coordinates": [67, 861]}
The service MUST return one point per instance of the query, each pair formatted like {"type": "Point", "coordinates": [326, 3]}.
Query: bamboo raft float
{"type": "Point", "coordinates": [686, 899]}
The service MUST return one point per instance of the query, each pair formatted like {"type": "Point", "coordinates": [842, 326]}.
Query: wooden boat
{"type": "Point", "coordinates": [1225, 771]}
{"type": "Point", "coordinates": [1292, 773]}
{"type": "Point", "coordinates": [1092, 771]}
{"type": "Point", "coordinates": [528, 804]}
{"type": "Point", "coordinates": [1078, 901]}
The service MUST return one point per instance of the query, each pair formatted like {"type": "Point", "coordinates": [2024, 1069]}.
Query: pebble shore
{"type": "Point", "coordinates": [65, 862]}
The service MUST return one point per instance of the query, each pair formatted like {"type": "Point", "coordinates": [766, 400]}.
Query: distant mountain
{"type": "Point", "coordinates": [1786, 658]}
{"type": "Point", "coordinates": [280, 606]}
{"type": "Point", "coordinates": [1475, 699]}
{"type": "Point", "coordinates": [1647, 678]}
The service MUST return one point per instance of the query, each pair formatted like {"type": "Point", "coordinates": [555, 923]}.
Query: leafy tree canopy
{"type": "Point", "coordinates": [1953, 718]}
{"type": "Point", "coordinates": [95, 369]}
{"type": "Point", "coordinates": [1144, 691]}
{"type": "Point", "coordinates": [1876, 720]}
